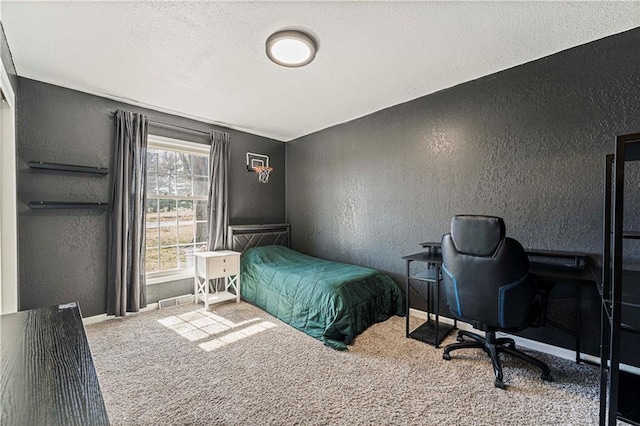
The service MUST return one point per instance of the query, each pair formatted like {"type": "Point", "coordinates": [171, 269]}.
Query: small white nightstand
{"type": "Point", "coordinates": [217, 264]}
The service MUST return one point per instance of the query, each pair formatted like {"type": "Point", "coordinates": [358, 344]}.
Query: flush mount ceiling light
{"type": "Point", "coordinates": [291, 48]}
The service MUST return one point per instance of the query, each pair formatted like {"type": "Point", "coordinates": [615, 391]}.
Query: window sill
{"type": "Point", "coordinates": [175, 276]}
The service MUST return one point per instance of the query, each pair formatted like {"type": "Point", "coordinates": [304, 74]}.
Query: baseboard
{"type": "Point", "coordinates": [531, 344]}
{"type": "Point", "coordinates": [96, 319]}
{"type": "Point", "coordinates": [103, 317]}
{"type": "Point", "coordinates": [149, 307]}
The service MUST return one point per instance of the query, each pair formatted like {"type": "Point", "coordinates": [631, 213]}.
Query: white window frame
{"type": "Point", "coordinates": [177, 145]}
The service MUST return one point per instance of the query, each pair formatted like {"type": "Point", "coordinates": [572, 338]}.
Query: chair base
{"type": "Point", "coordinates": [493, 347]}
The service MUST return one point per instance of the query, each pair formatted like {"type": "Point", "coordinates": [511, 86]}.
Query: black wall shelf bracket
{"type": "Point", "coordinates": [68, 167]}
{"type": "Point", "coordinates": [67, 205]}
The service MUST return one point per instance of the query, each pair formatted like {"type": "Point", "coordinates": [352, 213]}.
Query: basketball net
{"type": "Point", "coordinates": [263, 173]}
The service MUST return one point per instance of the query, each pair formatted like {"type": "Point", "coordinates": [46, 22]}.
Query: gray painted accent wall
{"type": "Point", "coordinates": [63, 254]}
{"type": "Point", "coordinates": [527, 144]}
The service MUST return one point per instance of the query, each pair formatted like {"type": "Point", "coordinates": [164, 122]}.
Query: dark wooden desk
{"type": "Point", "coordinates": [580, 274]}
{"type": "Point", "coordinates": [576, 258]}
{"type": "Point", "coordinates": [47, 374]}
{"type": "Point", "coordinates": [579, 277]}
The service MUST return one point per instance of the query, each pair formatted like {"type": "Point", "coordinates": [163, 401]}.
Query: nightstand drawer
{"type": "Point", "coordinates": [214, 266]}
{"type": "Point", "coordinates": [223, 266]}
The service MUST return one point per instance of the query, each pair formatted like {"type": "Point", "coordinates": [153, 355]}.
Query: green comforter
{"type": "Point", "coordinates": [331, 301]}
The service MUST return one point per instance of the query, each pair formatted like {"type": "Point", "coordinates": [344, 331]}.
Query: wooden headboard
{"type": "Point", "coordinates": [243, 237]}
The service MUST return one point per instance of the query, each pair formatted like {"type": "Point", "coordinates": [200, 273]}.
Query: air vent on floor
{"type": "Point", "coordinates": [175, 301]}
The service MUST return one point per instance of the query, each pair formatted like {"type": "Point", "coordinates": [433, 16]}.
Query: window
{"type": "Point", "coordinates": [176, 222]}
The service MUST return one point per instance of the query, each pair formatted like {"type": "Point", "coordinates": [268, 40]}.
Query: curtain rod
{"type": "Point", "coordinates": [162, 123]}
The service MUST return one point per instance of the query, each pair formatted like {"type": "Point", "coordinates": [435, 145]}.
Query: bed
{"type": "Point", "coordinates": [331, 301]}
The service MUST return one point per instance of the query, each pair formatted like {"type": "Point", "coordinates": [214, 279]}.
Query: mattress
{"type": "Point", "coordinates": [331, 301]}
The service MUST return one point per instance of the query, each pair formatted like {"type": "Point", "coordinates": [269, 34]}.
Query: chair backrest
{"type": "Point", "coordinates": [485, 274]}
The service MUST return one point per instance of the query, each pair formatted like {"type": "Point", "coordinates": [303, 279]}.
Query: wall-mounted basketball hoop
{"type": "Point", "coordinates": [259, 164]}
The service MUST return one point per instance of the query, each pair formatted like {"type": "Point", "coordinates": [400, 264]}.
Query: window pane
{"type": "Point", "coordinates": [151, 260]}
{"type": "Point", "coordinates": [152, 160]}
{"type": "Point", "coordinates": [168, 236]}
{"type": "Point", "coordinates": [185, 209]}
{"type": "Point", "coordinates": [200, 186]}
{"type": "Point", "coordinates": [151, 227]}
{"type": "Point", "coordinates": [183, 163]}
{"type": "Point", "coordinates": [200, 248]}
{"type": "Point", "coordinates": [201, 210]}
{"type": "Point", "coordinates": [185, 256]}
{"type": "Point", "coordinates": [166, 184]}
{"type": "Point", "coordinates": [185, 221]}
{"type": "Point", "coordinates": [168, 225]}
{"type": "Point", "coordinates": [200, 165]}
{"type": "Point", "coordinates": [168, 258]}
{"type": "Point", "coordinates": [185, 232]}
{"type": "Point", "coordinates": [152, 183]}
{"type": "Point", "coordinates": [166, 161]}
{"type": "Point", "coordinates": [166, 206]}
{"type": "Point", "coordinates": [183, 185]}
{"type": "Point", "coordinates": [201, 232]}
{"type": "Point", "coordinates": [151, 236]}
{"type": "Point", "coordinates": [152, 210]}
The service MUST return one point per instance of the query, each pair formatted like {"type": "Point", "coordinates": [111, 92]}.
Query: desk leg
{"type": "Point", "coordinates": [429, 298]}
{"type": "Point", "coordinates": [437, 307]}
{"type": "Point", "coordinates": [407, 302]}
{"type": "Point", "coordinates": [578, 320]}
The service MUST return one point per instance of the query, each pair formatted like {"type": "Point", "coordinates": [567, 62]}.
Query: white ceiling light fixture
{"type": "Point", "coordinates": [291, 48]}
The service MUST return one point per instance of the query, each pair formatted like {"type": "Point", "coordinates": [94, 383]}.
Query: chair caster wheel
{"type": "Point", "coordinates": [499, 384]}
{"type": "Point", "coordinates": [547, 377]}
{"type": "Point", "coordinates": [446, 356]}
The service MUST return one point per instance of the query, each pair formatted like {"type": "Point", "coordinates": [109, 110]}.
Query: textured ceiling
{"type": "Point", "coordinates": [206, 60]}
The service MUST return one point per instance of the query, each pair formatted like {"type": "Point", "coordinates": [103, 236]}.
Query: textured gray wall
{"type": "Point", "coordinates": [526, 144]}
{"type": "Point", "coordinates": [63, 254]}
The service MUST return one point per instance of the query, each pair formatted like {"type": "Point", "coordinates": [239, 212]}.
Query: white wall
{"type": "Point", "coordinates": [8, 214]}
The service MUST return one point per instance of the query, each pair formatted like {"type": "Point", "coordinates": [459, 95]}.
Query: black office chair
{"type": "Point", "coordinates": [486, 285]}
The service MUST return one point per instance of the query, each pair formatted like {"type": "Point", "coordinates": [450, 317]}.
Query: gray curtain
{"type": "Point", "coordinates": [126, 287]}
{"type": "Point", "coordinates": [218, 200]}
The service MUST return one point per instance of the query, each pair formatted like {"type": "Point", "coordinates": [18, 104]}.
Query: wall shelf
{"type": "Point", "coordinates": [631, 235]}
{"type": "Point", "coordinates": [68, 167]}
{"type": "Point", "coordinates": [67, 205]}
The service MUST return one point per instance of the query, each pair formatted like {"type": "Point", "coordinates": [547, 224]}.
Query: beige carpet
{"type": "Point", "coordinates": [237, 365]}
